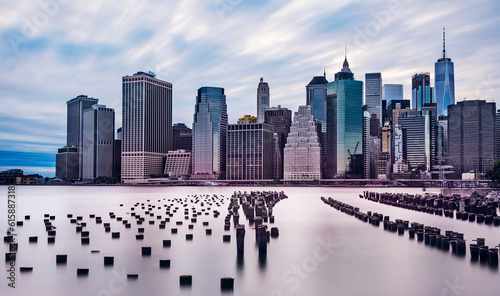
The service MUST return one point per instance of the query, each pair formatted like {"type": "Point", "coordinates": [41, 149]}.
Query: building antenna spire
{"type": "Point", "coordinates": [345, 51]}
{"type": "Point", "coordinates": [324, 72]}
{"type": "Point", "coordinates": [444, 41]}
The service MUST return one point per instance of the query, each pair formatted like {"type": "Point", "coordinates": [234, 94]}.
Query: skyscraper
{"type": "Point", "coordinates": [302, 159]}
{"type": "Point", "coordinates": [392, 92]}
{"type": "Point", "coordinates": [421, 90]}
{"type": "Point", "coordinates": [444, 82]}
{"type": "Point", "coordinates": [373, 94]}
{"type": "Point", "coordinates": [281, 120]}
{"type": "Point", "coordinates": [497, 139]}
{"type": "Point", "coordinates": [471, 137]}
{"type": "Point", "coordinates": [344, 125]}
{"type": "Point", "coordinates": [316, 98]}
{"type": "Point", "coordinates": [250, 150]}
{"type": "Point", "coordinates": [69, 158]}
{"type": "Point", "coordinates": [97, 145]}
{"type": "Point", "coordinates": [209, 134]}
{"type": "Point", "coordinates": [147, 125]}
{"type": "Point", "coordinates": [263, 99]}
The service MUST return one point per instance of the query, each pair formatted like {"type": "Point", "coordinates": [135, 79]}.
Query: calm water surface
{"type": "Point", "coordinates": [320, 251]}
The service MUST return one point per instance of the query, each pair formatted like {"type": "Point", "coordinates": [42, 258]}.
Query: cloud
{"type": "Point", "coordinates": [86, 47]}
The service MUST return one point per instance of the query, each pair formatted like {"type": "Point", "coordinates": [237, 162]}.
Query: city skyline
{"type": "Point", "coordinates": [60, 60]}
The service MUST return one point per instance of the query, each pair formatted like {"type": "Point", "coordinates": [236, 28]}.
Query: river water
{"type": "Point", "coordinates": [319, 251]}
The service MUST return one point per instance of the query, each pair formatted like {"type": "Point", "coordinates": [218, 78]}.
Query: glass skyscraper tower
{"type": "Point", "coordinates": [373, 94]}
{"type": "Point", "coordinates": [209, 134]}
{"type": "Point", "coordinates": [147, 125]}
{"type": "Point", "coordinates": [421, 90]}
{"type": "Point", "coordinates": [316, 98]}
{"type": "Point", "coordinates": [263, 99]}
{"type": "Point", "coordinates": [444, 82]}
{"type": "Point", "coordinates": [344, 119]}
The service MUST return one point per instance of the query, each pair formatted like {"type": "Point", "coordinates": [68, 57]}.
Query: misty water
{"type": "Point", "coordinates": [319, 251]}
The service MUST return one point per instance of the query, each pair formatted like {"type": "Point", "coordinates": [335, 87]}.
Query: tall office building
{"type": "Point", "coordinates": [373, 94]}
{"type": "Point", "coordinates": [263, 99]}
{"type": "Point", "coordinates": [69, 158]}
{"type": "Point", "coordinates": [117, 155]}
{"type": "Point", "coordinates": [250, 150]}
{"type": "Point", "coordinates": [281, 121]}
{"type": "Point", "coordinates": [421, 90]}
{"type": "Point", "coordinates": [182, 137]}
{"type": "Point", "coordinates": [366, 145]}
{"type": "Point", "coordinates": [344, 125]}
{"type": "Point", "coordinates": [497, 139]}
{"type": "Point", "coordinates": [471, 137]}
{"type": "Point", "coordinates": [384, 162]}
{"type": "Point", "coordinates": [316, 98]}
{"type": "Point", "coordinates": [98, 139]}
{"type": "Point", "coordinates": [444, 82]}
{"type": "Point", "coordinates": [394, 108]}
{"type": "Point", "coordinates": [209, 134]}
{"type": "Point", "coordinates": [392, 92]}
{"type": "Point", "coordinates": [147, 125]}
{"type": "Point", "coordinates": [302, 159]}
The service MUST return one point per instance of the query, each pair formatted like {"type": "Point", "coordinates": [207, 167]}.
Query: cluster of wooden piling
{"type": "Point", "coordinates": [140, 213]}
{"type": "Point", "coordinates": [476, 208]}
{"type": "Point", "coordinates": [429, 235]}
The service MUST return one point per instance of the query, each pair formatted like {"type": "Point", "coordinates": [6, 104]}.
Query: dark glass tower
{"type": "Point", "coordinates": [373, 94]}
{"type": "Point", "coordinates": [316, 98]}
{"type": "Point", "coordinates": [280, 119]}
{"type": "Point", "coordinates": [209, 134]}
{"type": "Point", "coordinates": [344, 119]}
{"type": "Point", "coordinates": [421, 90]}
{"type": "Point", "coordinates": [263, 99]}
{"type": "Point", "coordinates": [444, 82]}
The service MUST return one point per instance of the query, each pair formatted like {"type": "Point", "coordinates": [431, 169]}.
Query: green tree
{"type": "Point", "coordinates": [494, 174]}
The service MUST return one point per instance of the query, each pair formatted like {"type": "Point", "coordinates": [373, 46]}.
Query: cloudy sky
{"type": "Point", "coordinates": [54, 50]}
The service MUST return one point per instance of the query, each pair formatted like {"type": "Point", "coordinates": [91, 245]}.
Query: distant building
{"type": "Point", "coordinates": [182, 137]}
{"type": "Point", "coordinates": [394, 108]}
{"type": "Point", "coordinates": [373, 94]}
{"type": "Point", "coordinates": [249, 151]}
{"type": "Point", "coordinates": [281, 120]}
{"type": "Point", "coordinates": [444, 82]}
{"type": "Point", "coordinates": [471, 137]}
{"type": "Point", "coordinates": [209, 134]}
{"type": "Point", "coordinates": [247, 119]}
{"type": "Point", "coordinates": [17, 177]}
{"type": "Point", "coordinates": [316, 98]}
{"type": "Point", "coordinates": [69, 163]}
{"type": "Point", "coordinates": [302, 159]}
{"type": "Point", "coordinates": [178, 163]}
{"type": "Point", "coordinates": [147, 126]}
{"type": "Point", "coordinates": [421, 90]}
{"type": "Point", "coordinates": [263, 99]}
{"type": "Point", "coordinates": [384, 164]}
{"type": "Point", "coordinates": [497, 139]}
{"type": "Point", "coordinates": [392, 92]}
{"type": "Point", "coordinates": [98, 139]}
{"type": "Point", "coordinates": [344, 126]}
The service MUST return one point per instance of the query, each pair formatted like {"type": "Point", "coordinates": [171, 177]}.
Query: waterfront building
{"type": "Point", "coordinates": [250, 148]}
{"type": "Point", "coordinates": [247, 119]}
{"type": "Point", "coordinates": [146, 127]}
{"type": "Point", "coordinates": [178, 163]}
{"type": "Point", "coordinates": [302, 153]}
{"type": "Point", "coordinates": [280, 119]}
{"type": "Point", "coordinates": [182, 137]}
{"type": "Point", "coordinates": [209, 134]}
{"type": "Point", "coordinates": [373, 94]}
{"type": "Point", "coordinates": [471, 137]}
{"type": "Point", "coordinates": [344, 126]}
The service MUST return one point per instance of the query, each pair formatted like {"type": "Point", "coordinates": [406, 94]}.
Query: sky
{"type": "Point", "coordinates": [53, 50]}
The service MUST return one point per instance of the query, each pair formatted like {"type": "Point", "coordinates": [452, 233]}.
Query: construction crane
{"type": "Point", "coordinates": [355, 149]}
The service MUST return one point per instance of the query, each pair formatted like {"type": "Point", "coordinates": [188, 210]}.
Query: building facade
{"type": "Point", "coordinates": [182, 137]}
{"type": "Point", "coordinates": [344, 126]}
{"type": "Point", "coordinates": [281, 120]}
{"type": "Point", "coordinates": [146, 126]}
{"type": "Point", "coordinates": [250, 150]}
{"type": "Point", "coordinates": [471, 137]}
{"type": "Point", "coordinates": [98, 139]}
{"type": "Point", "coordinates": [444, 82]}
{"type": "Point", "coordinates": [263, 99]}
{"type": "Point", "coordinates": [209, 134]}
{"type": "Point", "coordinates": [392, 92]}
{"type": "Point", "coordinates": [247, 119]}
{"type": "Point", "coordinates": [373, 94]}
{"type": "Point", "coordinates": [302, 155]}
{"type": "Point", "coordinates": [316, 98]}
{"type": "Point", "coordinates": [421, 90]}
{"type": "Point", "coordinates": [178, 163]}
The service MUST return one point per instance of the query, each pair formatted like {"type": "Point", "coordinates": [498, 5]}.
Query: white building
{"type": "Point", "coordinates": [302, 156]}
{"type": "Point", "coordinates": [178, 163]}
